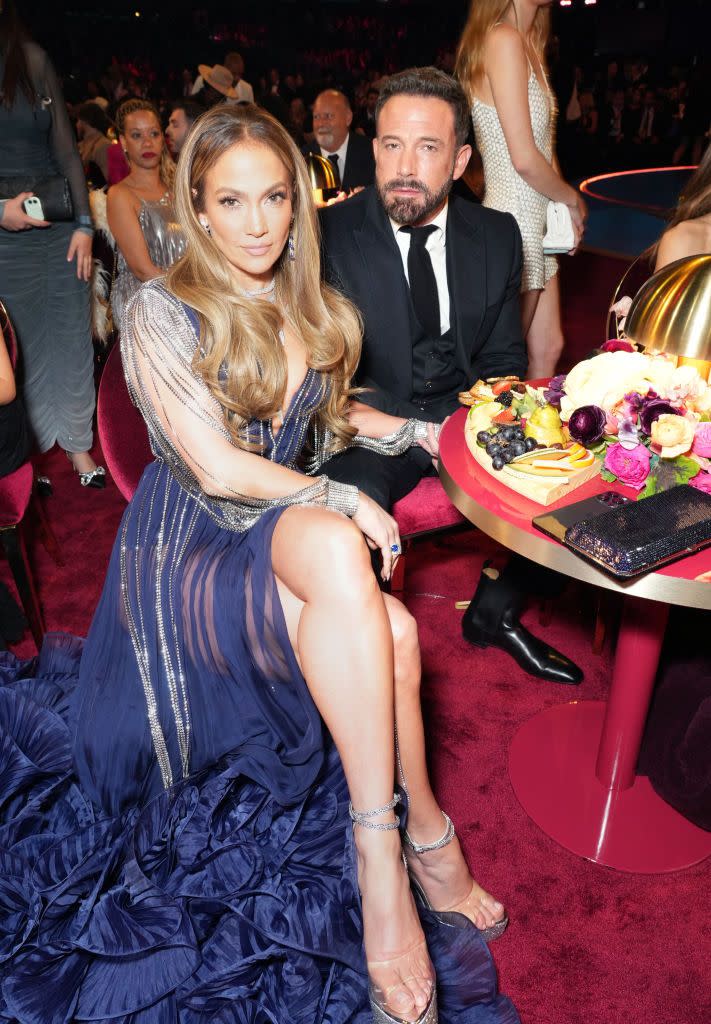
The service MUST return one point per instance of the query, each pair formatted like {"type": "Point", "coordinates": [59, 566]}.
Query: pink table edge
{"type": "Point", "coordinates": [572, 766]}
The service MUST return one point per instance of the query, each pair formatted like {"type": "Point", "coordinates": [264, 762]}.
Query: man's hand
{"type": "Point", "coordinates": [14, 218]}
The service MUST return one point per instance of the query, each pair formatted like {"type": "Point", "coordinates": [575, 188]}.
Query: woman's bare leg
{"type": "Point", "coordinates": [545, 334]}
{"type": "Point", "coordinates": [443, 873]}
{"type": "Point", "coordinates": [529, 302]}
{"type": "Point", "coordinates": [341, 634]}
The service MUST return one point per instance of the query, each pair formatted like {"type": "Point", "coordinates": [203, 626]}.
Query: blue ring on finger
{"type": "Point", "coordinates": [395, 548]}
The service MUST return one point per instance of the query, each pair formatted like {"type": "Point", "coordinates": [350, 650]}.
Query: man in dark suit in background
{"type": "Point", "coordinates": [436, 280]}
{"type": "Point", "coordinates": [351, 154]}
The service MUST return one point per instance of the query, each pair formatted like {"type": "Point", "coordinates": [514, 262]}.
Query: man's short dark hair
{"type": "Point", "coordinates": [432, 83]}
{"type": "Point", "coordinates": [192, 109]}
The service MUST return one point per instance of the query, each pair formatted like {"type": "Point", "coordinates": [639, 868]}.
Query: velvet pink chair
{"type": "Point", "coordinates": [15, 496]}
{"type": "Point", "coordinates": [122, 430]}
{"type": "Point", "coordinates": [425, 511]}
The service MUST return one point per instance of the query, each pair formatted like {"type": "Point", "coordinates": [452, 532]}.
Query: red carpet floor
{"type": "Point", "coordinates": [587, 945]}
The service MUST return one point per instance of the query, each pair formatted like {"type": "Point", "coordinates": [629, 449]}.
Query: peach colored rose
{"type": "Point", "coordinates": [672, 435]}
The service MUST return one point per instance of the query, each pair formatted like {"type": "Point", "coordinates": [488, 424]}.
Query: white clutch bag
{"type": "Point", "coordinates": [559, 236]}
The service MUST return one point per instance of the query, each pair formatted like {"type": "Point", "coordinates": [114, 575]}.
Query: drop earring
{"type": "Point", "coordinates": [206, 226]}
{"type": "Point", "coordinates": [291, 246]}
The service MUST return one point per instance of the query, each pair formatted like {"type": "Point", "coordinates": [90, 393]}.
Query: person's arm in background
{"type": "Point", "coordinates": [675, 244]}
{"type": "Point", "coordinates": [64, 149]}
{"type": "Point", "coordinates": [123, 221]}
{"type": "Point", "coordinates": [507, 70]}
{"type": "Point", "coordinates": [7, 376]}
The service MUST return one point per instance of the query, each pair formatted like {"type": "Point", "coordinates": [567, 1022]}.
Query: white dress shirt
{"type": "Point", "coordinates": [437, 248]}
{"type": "Point", "coordinates": [340, 153]}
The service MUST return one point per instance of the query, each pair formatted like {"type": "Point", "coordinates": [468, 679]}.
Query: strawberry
{"type": "Point", "coordinates": [505, 416]}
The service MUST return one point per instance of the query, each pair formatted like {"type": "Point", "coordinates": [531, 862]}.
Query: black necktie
{"type": "Point", "coordinates": [423, 284]}
{"type": "Point", "coordinates": [333, 158]}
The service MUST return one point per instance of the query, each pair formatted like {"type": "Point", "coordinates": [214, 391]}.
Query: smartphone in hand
{"type": "Point", "coordinates": [33, 208]}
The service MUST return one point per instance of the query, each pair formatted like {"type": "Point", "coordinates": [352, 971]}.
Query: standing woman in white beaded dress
{"type": "Point", "coordinates": [501, 65]}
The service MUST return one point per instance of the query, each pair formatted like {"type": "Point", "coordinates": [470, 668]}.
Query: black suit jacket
{"type": "Point", "coordinates": [362, 260]}
{"type": "Point", "coordinates": [360, 163]}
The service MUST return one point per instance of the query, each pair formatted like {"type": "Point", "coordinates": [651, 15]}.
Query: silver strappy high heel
{"type": "Point", "coordinates": [378, 997]}
{"type": "Point", "coordinates": [470, 902]}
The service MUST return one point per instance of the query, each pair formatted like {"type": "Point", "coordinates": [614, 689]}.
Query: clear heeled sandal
{"type": "Point", "coordinates": [379, 997]}
{"type": "Point", "coordinates": [471, 903]}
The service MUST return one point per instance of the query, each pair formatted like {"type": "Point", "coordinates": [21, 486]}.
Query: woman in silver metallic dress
{"type": "Point", "coordinates": [140, 207]}
{"type": "Point", "coordinates": [501, 65]}
{"type": "Point", "coordinates": [44, 269]}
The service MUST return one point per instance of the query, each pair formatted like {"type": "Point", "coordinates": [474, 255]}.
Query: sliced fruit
{"type": "Point", "coordinates": [584, 461]}
{"type": "Point", "coordinates": [502, 385]}
{"type": "Point", "coordinates": [543, 474]}
{"type": "Point", "coordinates": [550, 466]}
{"type": "Point", "coordinates": [506, 416]}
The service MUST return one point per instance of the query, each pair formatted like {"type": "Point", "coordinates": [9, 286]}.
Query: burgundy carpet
{"type": "Point", "coordinates": [587, 945]}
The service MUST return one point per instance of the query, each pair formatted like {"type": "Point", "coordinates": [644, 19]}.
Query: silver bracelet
{"type": "Point", "coordinates": [396, 443]}
{"type": "Point", "coordinates": [341, 497]}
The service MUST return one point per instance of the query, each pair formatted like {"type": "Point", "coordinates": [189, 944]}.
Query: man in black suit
{"type": "Point", "coordinates": [351, 154]}
{"type": "Point", "coordinates": [436, 279]}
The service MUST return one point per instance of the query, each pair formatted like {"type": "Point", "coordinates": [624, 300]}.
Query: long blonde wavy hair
{"type": "Point", "coordinates": [483, 15]}
{"type": "Point", "coordinates": [167, 164]}
{"type": "Point", "coordinates": [240, 333]}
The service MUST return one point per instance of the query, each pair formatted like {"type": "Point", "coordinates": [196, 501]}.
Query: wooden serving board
{"type": "Point", "coordinates": [543, 491]}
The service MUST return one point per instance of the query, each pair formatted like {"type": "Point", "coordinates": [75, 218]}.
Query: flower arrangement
{"type": "Point", "coordinates": [648, 420]}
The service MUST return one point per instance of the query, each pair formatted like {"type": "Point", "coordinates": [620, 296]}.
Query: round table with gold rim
{"type": "Point", "coordinates": [572, 766]}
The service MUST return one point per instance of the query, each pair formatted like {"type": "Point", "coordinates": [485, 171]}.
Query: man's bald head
{"type": "Point", "coordinates": [332, 119]}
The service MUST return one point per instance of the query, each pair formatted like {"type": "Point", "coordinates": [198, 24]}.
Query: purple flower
{"type": "Point", "coordinates": [652, 411]}
{"type": "Point", "coordinates": [631, 467]}
{"type": "Point", "coordinates": [587, 424]}
{"type": "Point", "coordinates": [554, 392]}
{"type": "Point", "coordinates": [635, 400]}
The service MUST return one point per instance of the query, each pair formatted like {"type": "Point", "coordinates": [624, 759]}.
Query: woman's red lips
{"type": "Point", "coordinates": [148, 156]}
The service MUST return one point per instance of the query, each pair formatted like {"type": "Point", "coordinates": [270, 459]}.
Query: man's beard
{"type": "Point", "coordinates": [411, 210]}
{"type": "Point", "coordinates": [325, 140]}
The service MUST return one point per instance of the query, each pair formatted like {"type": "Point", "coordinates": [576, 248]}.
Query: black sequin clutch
{"type": "Point", "coordinates": [643, 535]}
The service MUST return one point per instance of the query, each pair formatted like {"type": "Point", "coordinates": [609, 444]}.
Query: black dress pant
{"type": "Point", "coordinates": [384, 478]}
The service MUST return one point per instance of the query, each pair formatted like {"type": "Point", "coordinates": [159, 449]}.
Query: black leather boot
{"type": "Point", "coordinates": [491, 620]}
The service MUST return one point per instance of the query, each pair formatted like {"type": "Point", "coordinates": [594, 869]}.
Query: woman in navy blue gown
{"type": "Point", "coordinates": [198, 820]}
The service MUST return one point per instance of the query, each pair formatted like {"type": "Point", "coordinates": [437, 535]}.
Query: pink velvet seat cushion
{"type": "Point", "coordinates": [15, 491]}
{"type": "Point", "coordinates": [122, 430]}
{"type": "Point", "coordinates": [425, 508]}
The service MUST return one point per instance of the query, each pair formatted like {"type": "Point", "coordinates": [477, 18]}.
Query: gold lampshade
{"type": "Point", "coordinates": [671, 313]}
{"type": "Point", "coordinates": [321, 172]}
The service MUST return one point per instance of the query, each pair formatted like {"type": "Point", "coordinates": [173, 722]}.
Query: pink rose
{"type": "Point", "coordinates": [617, 345]}
{"type": "Point", "coordinates": [630, 466]}
{"type": "Point", "coordinates": [702, 482]}
{"type": "Point", "coordinates": [702, 440]}
{"type": "Point", "coordinates": [612, 424]}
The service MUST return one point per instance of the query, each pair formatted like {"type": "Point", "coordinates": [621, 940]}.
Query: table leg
{"type": "Point", "coordinates": [636, 661]}
{"type": "Point", "coordinates": [572, 766]}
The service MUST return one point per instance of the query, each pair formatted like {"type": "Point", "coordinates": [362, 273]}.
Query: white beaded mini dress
{"type": "Point", "coordinates": [505, 188]}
